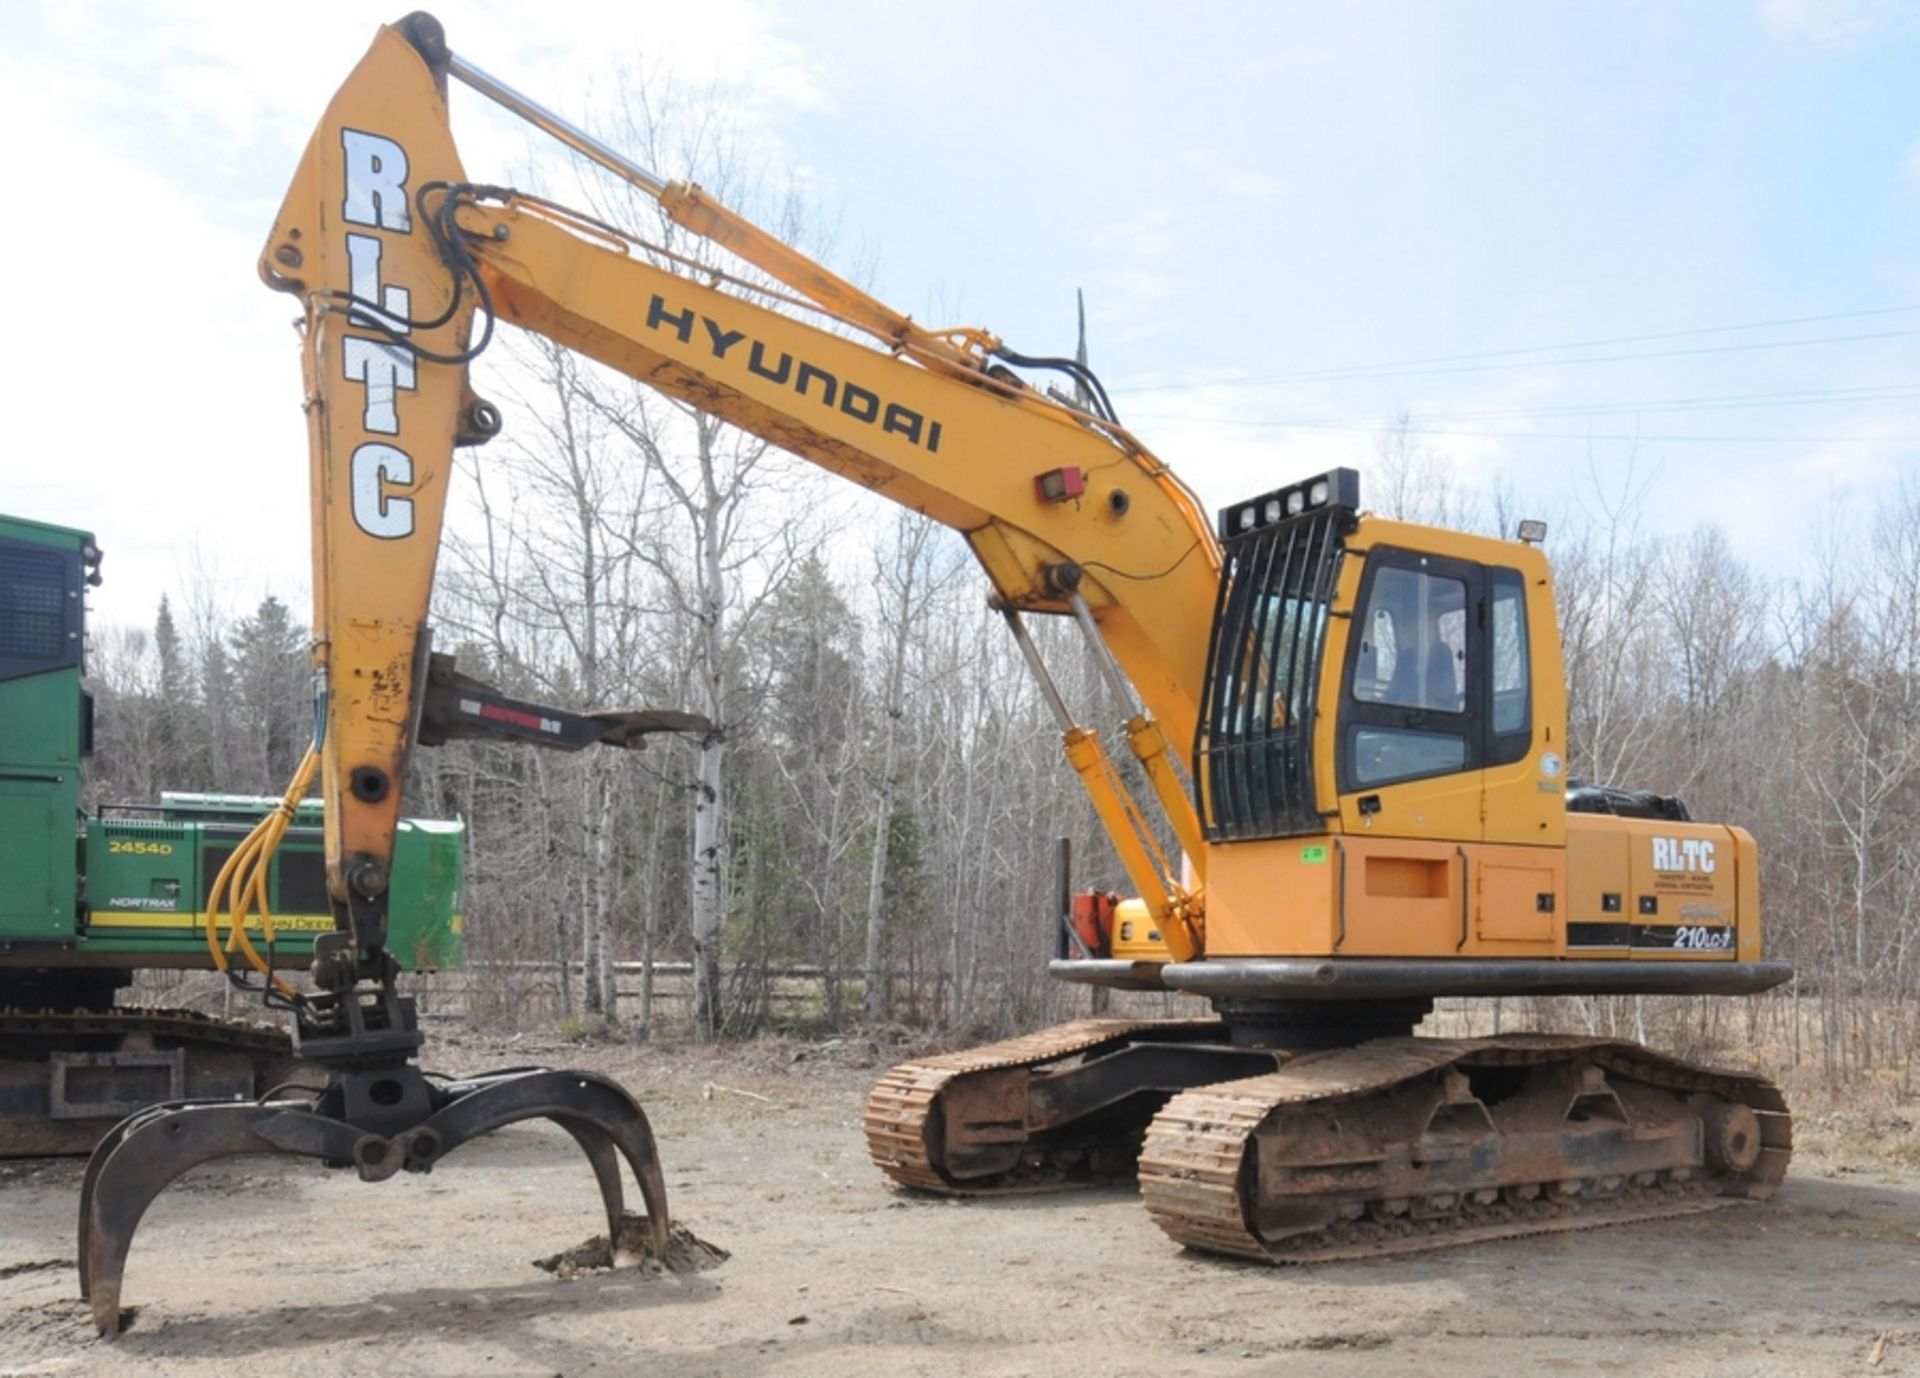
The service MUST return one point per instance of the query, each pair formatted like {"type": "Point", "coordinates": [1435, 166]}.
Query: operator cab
{"type": "Point", "coordinates": [1375, 676]}
{"type": "Point", "coordinates": [46, 732]}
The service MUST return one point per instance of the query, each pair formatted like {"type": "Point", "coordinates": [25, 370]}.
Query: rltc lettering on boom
{"type": "Point", "coordinates": [374, 195]}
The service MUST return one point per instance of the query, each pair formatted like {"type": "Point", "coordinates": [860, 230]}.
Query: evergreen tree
{"type": "Point", "coordinates": [219, 693]}
{"type": "Point", "coordinates": [179, 725]}
{"type": "Point", "coordinates": [275, 708]}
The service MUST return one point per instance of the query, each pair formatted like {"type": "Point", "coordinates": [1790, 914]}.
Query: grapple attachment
{"type": "Point", "coordinates": [379, 1121]}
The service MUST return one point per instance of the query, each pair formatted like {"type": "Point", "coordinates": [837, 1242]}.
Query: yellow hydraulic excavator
{"type": "Point", "coordinates": [1376, 810]}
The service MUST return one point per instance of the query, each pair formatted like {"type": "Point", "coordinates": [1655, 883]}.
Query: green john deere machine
{"type": "Point", "coordinates": [89, 899]}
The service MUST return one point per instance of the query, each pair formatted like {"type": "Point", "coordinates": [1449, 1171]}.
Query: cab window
{"type": "Point", "coordinates": [1511, 691]}
{"type": "Point", "coordinates": [1413, 648]}
{"type": "Point", "coordinates": [1381, 755]}
{"type": "Point", "coordinates": [1415, 704]}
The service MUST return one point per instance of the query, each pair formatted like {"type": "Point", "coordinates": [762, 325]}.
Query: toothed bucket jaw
{"type": "Point", "coordinates": [379, 1120]}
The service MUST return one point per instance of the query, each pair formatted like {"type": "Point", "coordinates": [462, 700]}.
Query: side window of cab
{"type": "Point", "coordinates": [1510, 715]}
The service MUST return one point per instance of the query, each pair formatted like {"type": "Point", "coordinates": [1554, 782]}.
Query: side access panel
{"type": "Point", "coordinates": [1517, 903]}
{"type": "Point", "coordinates": [428, 866]}
{"type": "Point", "coordinates": [45, 730]}
{"type": "Point", "coordinates": [143, 881]}
{"type": "Point", "coordinates": [37, 849]}
{"type": "Point", "coordinates": [1384, 897]}
{"type": "Point", "coordinates": [1660, 890]}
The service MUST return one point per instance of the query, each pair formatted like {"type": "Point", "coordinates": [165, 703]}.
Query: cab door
{"type": "Point", "coordinates": [1412, 723]}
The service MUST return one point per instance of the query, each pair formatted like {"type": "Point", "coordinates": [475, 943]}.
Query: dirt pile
{"type": "Point", "coordinates": [686, 1252]}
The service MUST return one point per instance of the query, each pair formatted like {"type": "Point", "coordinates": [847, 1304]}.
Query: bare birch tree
{"type": "Point", "coordinates": [906, 578]}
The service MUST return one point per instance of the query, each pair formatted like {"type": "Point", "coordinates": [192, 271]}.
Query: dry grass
{"type": "Point", "coordinates": [1866, 1117]}
{"type": "Point", "coordinates": [1869, 1120]}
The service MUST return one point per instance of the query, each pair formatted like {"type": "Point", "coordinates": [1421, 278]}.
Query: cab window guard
{"type": "Point", "coordinates": [1253, 753]}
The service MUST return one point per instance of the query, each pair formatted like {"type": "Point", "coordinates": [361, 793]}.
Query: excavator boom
{"type": "Point", "coordinates": [406, 268]}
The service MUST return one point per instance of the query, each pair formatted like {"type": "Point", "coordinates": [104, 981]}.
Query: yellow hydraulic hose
{"type": "Point", "coordinates": [244, 879]}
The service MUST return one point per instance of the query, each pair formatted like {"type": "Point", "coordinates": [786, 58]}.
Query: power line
{"type": "Point", "coordinates": [1804, 397]}
{"type": "Point", "coordinates": [1639, 339]}
{"type": "Point", "coordinates": [1645, 438]}
{"type": "Point", "coordinates": [1813, 397]}
{"type": "Point", "coordinates": [1342, 376]}
{"type": "Point", "coordinates": [1604, 342]}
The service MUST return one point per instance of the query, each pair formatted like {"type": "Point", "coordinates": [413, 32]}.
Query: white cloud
{"type": "Point", "coordinates": [1871, 449]}
{"type": "Point", "coordinates": [1832, 23]}
{"type": "Point", "coordinates": [156, 389]}
{"type": "Point", "coordinates": [156, 397]}
{"type": "Point", "coordinates": [1230, 178]}
{"type": "Point", "coordinates": [1282, 60]}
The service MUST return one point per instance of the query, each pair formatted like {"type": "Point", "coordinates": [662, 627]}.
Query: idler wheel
{"type": "Point", "coordinates": [1733, 1137]}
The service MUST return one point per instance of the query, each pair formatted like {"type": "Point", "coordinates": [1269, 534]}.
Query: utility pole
{"type": "Point", "coordinates": [1081, 397]}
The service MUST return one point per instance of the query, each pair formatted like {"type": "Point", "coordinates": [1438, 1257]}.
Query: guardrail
{"type": "Point", "coordinates": [449, 994]}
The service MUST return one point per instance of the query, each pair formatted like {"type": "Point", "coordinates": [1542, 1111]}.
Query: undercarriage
{"type": "Point", "coordinates": [68, 1076]}
{"type": "Point", "coordinates": [74, 1063]}
{"type": "Point", "coordinates": [1290, 1131]}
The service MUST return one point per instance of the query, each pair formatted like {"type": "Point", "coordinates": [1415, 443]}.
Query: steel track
{"type": "Point", "coordinates": [903, 1108]}
{"type": "Point", "coordinates": [27, 1036]}
{"type": "Point", "coordinates": [1198, 1182]}
{"type": "Point", "coordinates": [1195, 1167]}
{"type": "Point", "coordinates": [185, 1025]}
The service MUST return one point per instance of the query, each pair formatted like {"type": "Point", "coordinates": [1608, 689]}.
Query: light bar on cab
{"type": "Point", "coordinates": [1336, 489]}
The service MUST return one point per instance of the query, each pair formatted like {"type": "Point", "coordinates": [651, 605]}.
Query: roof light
{"type": "Point", "coordinates": [1533, 532]}
{"type": "Point", "coordinates": [1337, 491]}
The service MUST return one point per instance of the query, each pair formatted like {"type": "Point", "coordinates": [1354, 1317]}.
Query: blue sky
{"type": "Point", "coordinates": [1272, 208]}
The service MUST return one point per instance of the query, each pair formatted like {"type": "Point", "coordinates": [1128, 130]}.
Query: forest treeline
{"type": "Point", "coordinates": [882, 792]}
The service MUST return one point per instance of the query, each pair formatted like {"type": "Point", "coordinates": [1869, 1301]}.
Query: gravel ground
{"type": "Point", "coordinates": [273, 1267]}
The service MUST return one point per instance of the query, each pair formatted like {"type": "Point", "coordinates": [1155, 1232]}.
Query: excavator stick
{"type": "Point", "coordinates": [379, 1121]}
{"type": "Point", "coordinates": [367, 238]}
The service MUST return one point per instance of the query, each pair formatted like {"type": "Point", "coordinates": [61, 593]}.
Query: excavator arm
{"type": "Point", "coordinates": [405, 268]}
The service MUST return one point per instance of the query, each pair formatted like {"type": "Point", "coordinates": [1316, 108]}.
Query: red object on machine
{"type": "Point", "coordinates": [1060, 485]}
{"type": "Point", "coordinates": [1093, 921]}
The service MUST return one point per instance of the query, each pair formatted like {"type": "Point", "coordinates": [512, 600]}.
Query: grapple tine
{"type": "Point", "coordinates": [95, 1161]}
{"type": "Point", "coordinates": [149, 1150]}
{"type": "Point", "coordinates": [570, 1099]}
{"type": "Point", "coordinates": [606, 1171]}
{"type": "Point", "coordinates": [380, 1121]}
